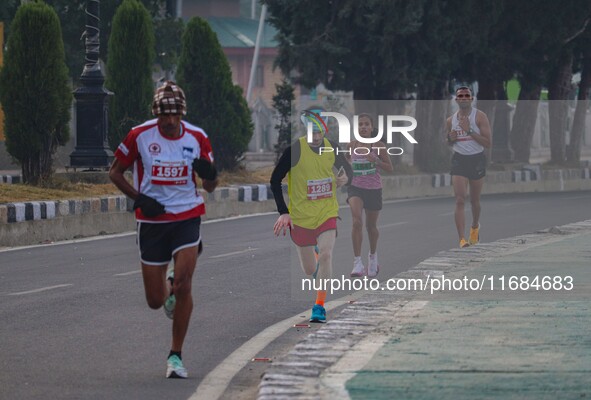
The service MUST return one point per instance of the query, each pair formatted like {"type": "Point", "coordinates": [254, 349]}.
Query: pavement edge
{"type": "Point", "coordinates": [300, 374]}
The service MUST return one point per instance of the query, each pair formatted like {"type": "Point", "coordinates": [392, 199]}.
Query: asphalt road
{"type": "Point", "coordinates": [74, 323]}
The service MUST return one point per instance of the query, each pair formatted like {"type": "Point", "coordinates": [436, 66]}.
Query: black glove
{"type": "Point", "coordinates": [150, 207]}
{"type": "Point", "coordinates": [205, 169]}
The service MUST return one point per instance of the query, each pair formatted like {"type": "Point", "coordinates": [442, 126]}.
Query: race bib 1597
{"type": "Point", "coordinates": [169, 172]}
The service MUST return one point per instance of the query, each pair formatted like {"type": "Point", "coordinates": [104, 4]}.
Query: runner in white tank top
{"type": "Point", "coordinates": [468, 132]}
{"type": "Point", "coordinates": [465, 143]}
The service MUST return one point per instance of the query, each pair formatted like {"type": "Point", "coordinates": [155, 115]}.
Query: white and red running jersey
{"type": "Point", "coordinates": [162, 168]}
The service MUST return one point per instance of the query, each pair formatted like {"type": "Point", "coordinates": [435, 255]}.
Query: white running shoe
{"type": "Point", "coordinates": [358, 268]}
{"type": "Point", "coordinates": [372, 265]}
{"type": "Point", "coordinates": [174, 368]}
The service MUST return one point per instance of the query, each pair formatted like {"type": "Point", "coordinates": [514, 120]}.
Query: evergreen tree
{"type": "Point", "coordinates": [282, 101]}
{"type": "Point", "coordinates": [34, 91]}
{"type": "Point", "coordinates": [169, 32]}
{"type": "Point", "coordinates": [213, 102]}
{"type": "Point", "coordinates": [72, 16]}
{"type": "Point", "coordinates": [242, 130]}
{"type": "Point", "coordinates": [129, 69]}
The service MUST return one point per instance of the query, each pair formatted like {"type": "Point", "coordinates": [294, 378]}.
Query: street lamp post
{"type": "Point", "coordinates": [92, 121]}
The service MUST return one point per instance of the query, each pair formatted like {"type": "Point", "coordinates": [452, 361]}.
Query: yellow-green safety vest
{"type": "Point", "coordinates": [311, 185]}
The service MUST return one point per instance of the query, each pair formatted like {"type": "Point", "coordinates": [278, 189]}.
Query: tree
{"type": "Point", "coordinates": [493, 56]}
{"type": "Point", "coordinates": [131, 55]}
{"type": "Point", "coordinates": [72, 16]}
{"type": "Point", "coordinates": [527, 26]}
{"type": "Point", "coordinates": [439, 48]}
{"type": "Point", "coordinates": [34, 91]}
{"type": "Point", "coordinates": [559, 87]}
{"type": "Point", "coordinates": [571, 17]}
{"type": "Point", "coordinates": [352, 46]}
{"type": "Point", "coordinates": [349, 45]}
{"type": "Point", "coordinates": [242, 129]}
{"type": "Point", "coordinates": [546, 59]}
{"type": "Point", "coordinates": [169, 32]}
{"type": "Point", "coordinates": [213, 102]}
{"type": "Point", "coordinates": [282, 102]}
{"type": "Point", "coordinates": [380, 49]}
{"type": "Point", "coordinates": [573, 150]}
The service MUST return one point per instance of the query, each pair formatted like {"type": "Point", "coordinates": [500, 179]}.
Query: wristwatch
{"type": "Point", "coordinates": [469, 132]}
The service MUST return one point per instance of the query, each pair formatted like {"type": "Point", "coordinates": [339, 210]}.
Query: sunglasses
{"type": "Point", "coordinates": [463, 96]}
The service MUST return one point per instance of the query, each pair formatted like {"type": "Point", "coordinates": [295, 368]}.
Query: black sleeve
{"type": "Point", "coordinates": [281, 169]}
{"type": "Point", "coordinates": [341, 161]}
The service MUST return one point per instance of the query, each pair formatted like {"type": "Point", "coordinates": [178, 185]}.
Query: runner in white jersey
{"type": "Point", "coordinates": [165, 154]}
{"type": "Point", "coordinates": [161, 168]}
{"type": "Point", "coordinates": [468, 132]}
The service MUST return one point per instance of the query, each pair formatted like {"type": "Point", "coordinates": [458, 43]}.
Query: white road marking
{"type": "Point", "coordinates": [393, 224]}
{"type": "Point", "coordinates": [517, 203]}
{"type": "Point", "coordinates": [575, 198]}
{"type": "Point", "coordinates": [214, 221]}
{"type": "Point", "coordinates": [235, 252]}
{"type": "Point", "coordinates": [123, 234]}
{"type": "Point", "coordinates": [335, 378]}
{"type": "Point", "coordinates": [40, 289]}
{"type": "Point", "coordinates": [129, 273]}
{"type": "Point", "coordinates": [89, 239]}
{"type": "Point", "coordinates": [217, 380]}
{"type": "Point", "coordinates": [413, 200]}
{"type": "Point", "coordinates": [396, 201]}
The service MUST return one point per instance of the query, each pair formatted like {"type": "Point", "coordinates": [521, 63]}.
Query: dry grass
{"type": "Point", "coordinates": [20, 193]}
{"type": "Point", "coordinates": [243, 176]}
{"type": "Point", "coordinates": [63, 190]}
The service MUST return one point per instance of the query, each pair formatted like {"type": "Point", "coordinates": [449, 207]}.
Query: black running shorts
{"type": "Point", "coordinates": [472, 167]}
{"type": "Point", "coordinates": [372, 198]}
{"type": "Point", "coordinates": [159, 242]}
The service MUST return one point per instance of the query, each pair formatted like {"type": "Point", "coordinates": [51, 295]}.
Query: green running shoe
{"type": "Point", "coordinates": [174, 368]}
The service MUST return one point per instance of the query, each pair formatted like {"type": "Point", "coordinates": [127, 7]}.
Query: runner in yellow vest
{"type": "Point", "coordinates": [313, 208]}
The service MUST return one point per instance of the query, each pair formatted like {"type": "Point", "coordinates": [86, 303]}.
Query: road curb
{"type": "Point", "coordinates": [110, 211]}
{"type": "Point", "coordinates": [299, 374]}
{"type": "Point", "coordinates": [10, 179]}
{"type": "Point", "coordinates": [38, 210]}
